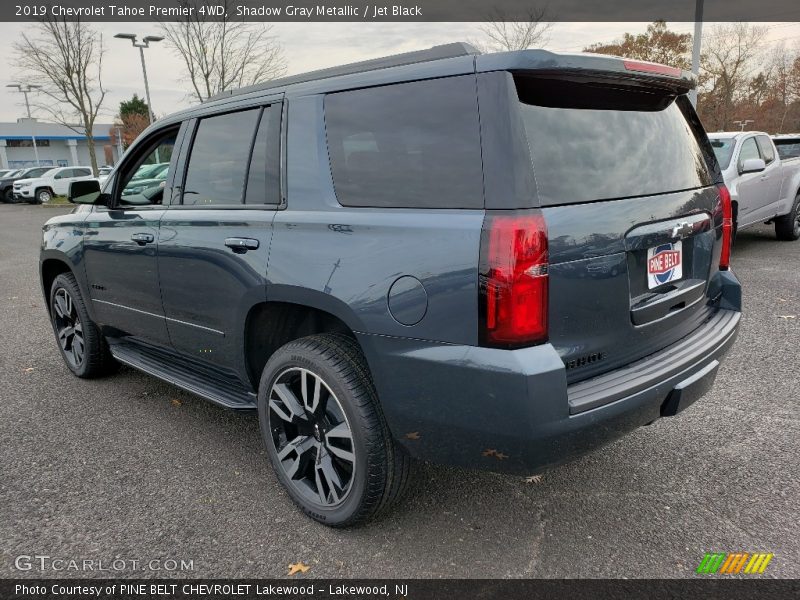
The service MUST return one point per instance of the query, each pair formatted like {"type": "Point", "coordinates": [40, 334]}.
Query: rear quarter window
{"type": "Point", "coordinates": [597, 142]}
{"type": "Point", "coordinates": [410, 145]}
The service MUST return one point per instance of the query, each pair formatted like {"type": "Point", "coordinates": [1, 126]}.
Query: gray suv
{"type": "Point", "coordinates": [494, 261]}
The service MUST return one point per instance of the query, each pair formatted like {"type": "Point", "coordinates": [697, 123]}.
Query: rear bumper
{"type": "Point", "coordinates": [512, 411]}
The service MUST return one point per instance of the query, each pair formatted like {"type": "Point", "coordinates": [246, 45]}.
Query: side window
{"type": "Point", "coordinates": [407, 145]}
{"type": "Point", "coordinates": [263, 183]}
{"type": "Point", "coordinates": [80, 172]}
{"type": "Point", "coordinates": [62, 174]}
{"type": "Point", "coordinates": [749, 150]}
{"type": "Point", "coordinates": [767, 153]}
{"type": "Point", "coordinates": [218, 159]}
{"type": "Point", "coordinates": [142, 181]}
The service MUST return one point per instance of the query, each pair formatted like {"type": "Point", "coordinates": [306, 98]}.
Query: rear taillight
{"type": "Point", "coordinates": [514, 282]}
{"type": "Point", "coordinates": [727, 227]}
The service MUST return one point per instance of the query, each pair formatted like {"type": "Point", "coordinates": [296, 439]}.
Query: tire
{"type": "Point", "coordinates": [340, 439]}
{"type": "Point", "coordinates": [787, 227]}
{"type": "Point", "coordinates": [82, 346]}
{"type": "Point", "coordinates": [43, 196]}
{"type": "Point", "coordinates": [8, 196]}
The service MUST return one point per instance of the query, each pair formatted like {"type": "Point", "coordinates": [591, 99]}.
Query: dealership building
{"type": "Point", "coordinates": [57, 145]}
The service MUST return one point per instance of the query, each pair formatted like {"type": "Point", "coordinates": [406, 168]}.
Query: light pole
{"type": "Point", "coordinates": [696, 42]}
{"type": "Point", "coordinates": [743, 123]}
{"type": "Point", "coordinates": [145, 43]}
{"type": "Point", "coordinates": [25, 89]}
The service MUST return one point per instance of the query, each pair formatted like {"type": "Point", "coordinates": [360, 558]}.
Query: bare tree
{"type": "Point", "coordinates": [66, 60]}
{"type": "Point", "coordinates": [504, 33]}
{"type": "Point", "coordinates": [731, 54]}
{"type": "Point", "coordinates": [221, 54]}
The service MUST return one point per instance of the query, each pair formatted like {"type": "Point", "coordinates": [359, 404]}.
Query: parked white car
{"type": "Point", "coordinates": [764, 187]}
{"type": "Point", "coordinates": [54, 182]}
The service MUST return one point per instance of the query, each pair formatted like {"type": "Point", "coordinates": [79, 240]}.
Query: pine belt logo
{"type": "Point", "coordinates": [734, 563]}
{"type": "Point", "coordinates": [664, 264]}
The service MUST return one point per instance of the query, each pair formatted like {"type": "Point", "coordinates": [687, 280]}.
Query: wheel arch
{"type": "Point", "coordinates": [270, 325]}
{"type": "Point", "coordinates": [49, 269]}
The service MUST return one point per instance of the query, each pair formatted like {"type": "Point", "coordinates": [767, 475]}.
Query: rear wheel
{"type": "Point", "coordinates": [8, 196]}
{"type": "Point", "coordinates": [787, 227]}
{"type": "Point", "coordinates": [325, 433]}
{"type": "Point", "coordinates": [82, 346]}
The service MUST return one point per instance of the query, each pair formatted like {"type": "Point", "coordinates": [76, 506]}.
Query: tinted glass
{"type": "Point", "coordinates": [596, 142]}
{"type": "Point", "coordinates": [788, 148]}
{"type": "Point", "coordinates": [749, 150]}
{"type": "Point", "coordinates": [38, 172]}
{"type": "Point", "coordinates": [723, 150]}
{"type": "Point", "coordinates": [81, 172]}
{"type": "Point", "coordinates": [263, 183]}
{"type": "Point", "coordinates": [218, 161]}
{"type": "Point", "coordinates": [767, 153]}
{"type": "Point", "coordinates": [407, 145]}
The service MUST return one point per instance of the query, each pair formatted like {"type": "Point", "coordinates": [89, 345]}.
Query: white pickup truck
{"type": "Point", "coordinates": [54, 182]}
{"type": "Point", "coordinates": [764, 187]}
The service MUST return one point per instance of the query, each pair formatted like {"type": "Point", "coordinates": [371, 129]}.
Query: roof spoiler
{"type": "Point", "coordinates": [590, 66]}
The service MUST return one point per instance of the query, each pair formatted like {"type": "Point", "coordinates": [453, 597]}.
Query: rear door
{"type": "Point", "coordinates": [623, 175]}
{"type": "Point", "coordinates": [215, 237]}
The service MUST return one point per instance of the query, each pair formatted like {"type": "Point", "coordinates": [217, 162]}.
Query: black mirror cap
{"type": "Point", "coordinates": [85, 191]}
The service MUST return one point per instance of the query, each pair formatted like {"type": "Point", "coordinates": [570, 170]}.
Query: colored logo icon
{"type": "Point", "coordinates": [732, 563]}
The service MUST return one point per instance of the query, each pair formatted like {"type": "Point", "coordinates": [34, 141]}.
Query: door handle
{"type": "Point", "coordinates": [241, 245]}
{"type": "Point", "coordinates": [142, 238]}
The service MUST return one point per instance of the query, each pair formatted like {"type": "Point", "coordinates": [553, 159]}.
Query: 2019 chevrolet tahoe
{"type": "Point", "coordinates": [495, 261]}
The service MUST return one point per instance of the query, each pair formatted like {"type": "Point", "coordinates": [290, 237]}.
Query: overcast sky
{"type": "Point", "coordinates": [307, 46]}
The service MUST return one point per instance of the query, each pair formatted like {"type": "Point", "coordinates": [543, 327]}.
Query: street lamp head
{"type": "Point", "coordinates": [126, 36]}
{"type": "Point", "coordinates": [15, 85]}
{"type": "Point", "coordinates": [153, 38]}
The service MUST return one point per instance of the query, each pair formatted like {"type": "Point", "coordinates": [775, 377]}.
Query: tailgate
{"type": "Point", "coordinates": [624, 181]}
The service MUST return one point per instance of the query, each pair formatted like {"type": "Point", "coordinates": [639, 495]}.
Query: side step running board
{"type": "Point", "coordinates": [205, 381]}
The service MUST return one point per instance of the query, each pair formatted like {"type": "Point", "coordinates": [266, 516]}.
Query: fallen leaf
{"type": "Point", "coordinates": [787, 317]}
{"type": "Point", "coordinates": [534, 479]}
{"type": "Point", "coordinates": [489, 452]}
{"type": "Point", "coordinates": [175, 402]}
{"type": "Point", "coordinates": [298, 567]}
{"type": "Point", "coordinates": [414, 435]}
{"type": "Point", "coordinates": [501, 456]}
{"type": "Point", "coordinates": [29, 370]}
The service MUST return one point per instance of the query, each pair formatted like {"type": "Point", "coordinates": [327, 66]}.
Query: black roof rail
{"type": "Point", "coordinates": [407, 58]}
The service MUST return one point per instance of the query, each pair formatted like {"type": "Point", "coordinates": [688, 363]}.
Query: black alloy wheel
{"type": "Point", "coordinates": [312, 437]}
{"type": "Point", "coordinates": [69, 328]}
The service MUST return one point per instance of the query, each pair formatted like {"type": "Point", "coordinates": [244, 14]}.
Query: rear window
{"type": "Point", "coordinates": [723, 150]}
{"type": "Point", "coordinates": [597, 142]}
{"type": "Point", "coordinates": [788, 148]}
{"type": "Point", "coordinates": [407, 145]}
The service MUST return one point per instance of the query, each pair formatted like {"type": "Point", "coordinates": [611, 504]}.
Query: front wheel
{"type": "Point", "coordinates": [43, 196]}
{"type": "Point", "coordinates": [325, 432]}
{"type": "Point", "coordinates": [82, 346]}
{"type": "Point", "coordinates": [787, 227]}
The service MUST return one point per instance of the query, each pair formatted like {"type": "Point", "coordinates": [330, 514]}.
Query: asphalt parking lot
{"type": "Point", "coordinates": [131, 468]}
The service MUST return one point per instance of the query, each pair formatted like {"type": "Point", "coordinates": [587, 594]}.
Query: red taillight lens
{"type": "Point", "coordinates": [727, 228]}
{"type": "Point", "coordinates": [514, 282]}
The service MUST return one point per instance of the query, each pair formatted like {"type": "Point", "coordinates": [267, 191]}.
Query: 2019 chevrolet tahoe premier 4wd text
{"type": "Point", "coordinates": [496, 261]}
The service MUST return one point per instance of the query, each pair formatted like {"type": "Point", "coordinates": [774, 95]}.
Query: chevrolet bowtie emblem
{"type": "Point", "coordinates": [681, 230]}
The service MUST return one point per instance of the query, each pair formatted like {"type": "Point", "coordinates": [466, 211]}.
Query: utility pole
{"type": "Point", "coordinates": [145, 43]}
{"type": "Point", "coordinates": [696, 41]}
{"type": "Point", "coordinates": [743, 123]}
{"type": "Point", "coordinates": [25, 90]}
